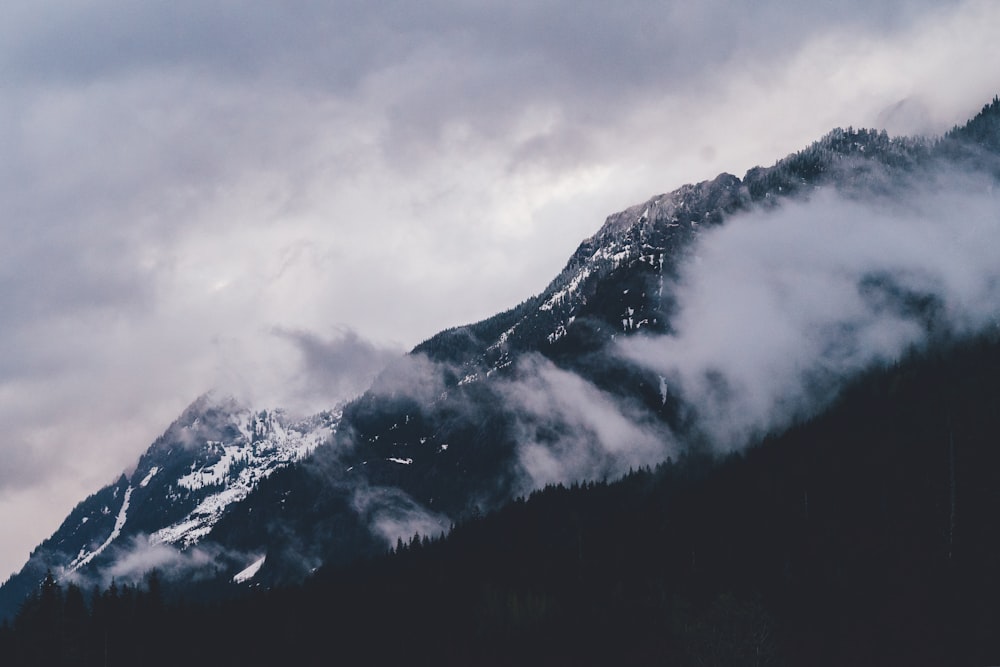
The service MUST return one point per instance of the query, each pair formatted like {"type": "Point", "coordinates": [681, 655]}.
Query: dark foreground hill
{"type": "Point", "coordinates": [865, 536]}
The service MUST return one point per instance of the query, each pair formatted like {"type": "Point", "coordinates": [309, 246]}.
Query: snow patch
{"type": "Point", "coordinates": [264, 446]}
{"type": "Point", "coordinates": [503, 338]}
{"type": "Point", "coordinates": [250, 572]}
{"type": "Point", "coordinates": [573, 286]}
{"type": "Point", "coordinates": [149, 476]}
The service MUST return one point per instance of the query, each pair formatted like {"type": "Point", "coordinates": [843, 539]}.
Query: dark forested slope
{"type": "Point", "coordinates": [866, 535]}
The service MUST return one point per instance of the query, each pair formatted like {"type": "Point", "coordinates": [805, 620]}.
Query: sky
{"type": "Point", "coordinates": [273, 199]}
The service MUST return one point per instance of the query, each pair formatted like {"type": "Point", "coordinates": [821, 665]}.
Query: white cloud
{"type": "Point", "coordinates": [779, 309]}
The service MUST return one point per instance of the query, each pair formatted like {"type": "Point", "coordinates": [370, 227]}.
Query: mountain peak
{"type": "Point", "coordinates": [210, 458]}
{"type": "Point", "coordinates": [687, 206]}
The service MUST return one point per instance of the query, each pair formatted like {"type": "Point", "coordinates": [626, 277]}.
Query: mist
{"type": "Point", "coordinates": [392, 515]}
{"type": "Point", "coordinates": [334, 370]}
{"type": "Point", "coordinates": [778, 309]}
{"type": "Point", "coordinates": [567, 429]}
{"type": "Point", "coordinates": [137, 556]}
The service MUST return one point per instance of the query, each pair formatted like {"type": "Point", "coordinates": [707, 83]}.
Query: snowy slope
{"type": "Point", "coordinates": [211, 458]}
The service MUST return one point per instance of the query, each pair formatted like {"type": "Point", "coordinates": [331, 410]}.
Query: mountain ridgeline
{"type": "Point", "coordinates": [232, 498]}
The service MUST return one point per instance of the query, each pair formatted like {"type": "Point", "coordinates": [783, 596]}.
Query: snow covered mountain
{"type": "Point", "coordinates": [476, 415]}
{"type": "Point", "coordinates": [215, 454]}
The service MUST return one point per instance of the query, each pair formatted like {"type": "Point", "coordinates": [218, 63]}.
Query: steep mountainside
{"type": "Point", "coordinates": [478, 414]}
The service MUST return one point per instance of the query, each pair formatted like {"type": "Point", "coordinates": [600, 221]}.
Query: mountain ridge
{"type": "Point", "coordinates": [439, 435]}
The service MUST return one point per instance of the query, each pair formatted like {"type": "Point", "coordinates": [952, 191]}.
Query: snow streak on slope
{"type": "Point", "coordinates": [85, 557]}
{"type": "Point", "coordinates": [568, 290]}
{"type": "Point", "coordinates": [145, 480]}
{"type": "Point", "coordinates": [250, 572]}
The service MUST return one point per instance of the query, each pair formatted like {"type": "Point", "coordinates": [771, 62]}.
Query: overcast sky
{"type": "Point", "coordinates": [269, 198]}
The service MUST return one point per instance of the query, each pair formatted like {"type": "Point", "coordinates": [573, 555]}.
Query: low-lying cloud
{"type": "Point", "coordinates": [137, 556]}
{"type": "Point", "coordinates": [414, 376]}
{"type": "Point", "coordinates": [392, 515]}
{"type": "Point", "coordinates": [778, 309]}
{"type": "Point", "coordinates": [568, 430]}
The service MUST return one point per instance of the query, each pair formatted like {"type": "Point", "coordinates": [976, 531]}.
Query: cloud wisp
{"type": "Point", "coordinates": [569, 430]}
{"type": "Point", "coordinates": [777, 310]}
{"type": "Point", "coordinates": [135, 558]}
{"type": "Point", "coordinates": [392, 515]}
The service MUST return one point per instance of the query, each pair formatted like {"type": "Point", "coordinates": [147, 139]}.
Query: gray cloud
{"type": "Point", "coordinates": [22, 467]}
{"type": "Point", "coordinates": [414, 376]}
{"type": "Point", "coordinates": [337, 369]}
{"type": "Point", "coordinates": [437, 64]}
